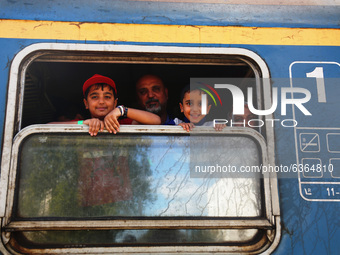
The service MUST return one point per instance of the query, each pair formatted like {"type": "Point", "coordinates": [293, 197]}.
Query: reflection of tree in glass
{"type": "Point", "coordinates": [50, 168]}
{"type": "Point", "coordinates": [163, 236]}
{"type": "Point", "coordinates": [182, 236]}
{"type": "Point", "coordinates": [140, 175]}
{"type": "Point", "coordinates": [48, 174]}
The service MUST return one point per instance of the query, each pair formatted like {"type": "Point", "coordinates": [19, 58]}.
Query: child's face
{"type": "Point", "coordinates": [100, 101]}
{"type": "Point", "coordinates": [191, 106]}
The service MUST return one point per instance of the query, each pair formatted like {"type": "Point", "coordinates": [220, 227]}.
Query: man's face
{"type": "Point", "coordinates": [152, 95]}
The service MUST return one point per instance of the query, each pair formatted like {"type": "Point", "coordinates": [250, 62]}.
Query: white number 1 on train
{"type": "Point", "coordinates": [320, 83]}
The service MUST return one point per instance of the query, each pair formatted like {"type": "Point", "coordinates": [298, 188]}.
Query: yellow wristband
{"type": "Point", "coordinates": [80, 122]}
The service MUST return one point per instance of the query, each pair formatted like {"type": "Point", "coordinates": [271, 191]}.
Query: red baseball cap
{"type": "Point", "coordinates": [97, 78]}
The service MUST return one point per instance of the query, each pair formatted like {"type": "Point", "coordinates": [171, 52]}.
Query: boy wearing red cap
{"type": "Point", "coordinates": [100, 98]}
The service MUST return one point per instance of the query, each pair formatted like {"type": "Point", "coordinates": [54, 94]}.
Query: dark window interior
{"type": "Point", "coordinates": [54, 88]}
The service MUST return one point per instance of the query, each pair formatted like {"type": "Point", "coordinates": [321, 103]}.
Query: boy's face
{"type": "Point", "coordinates": [191, 106]}
{"type": "Point", "coordinates": [100, 101]}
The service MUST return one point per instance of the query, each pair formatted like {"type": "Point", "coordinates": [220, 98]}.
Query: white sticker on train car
{"type": "Point", "coordinates": [317, 149]}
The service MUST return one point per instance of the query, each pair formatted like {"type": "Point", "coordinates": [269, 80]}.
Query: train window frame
{"type": "Point", "coordinates": [13, 127]}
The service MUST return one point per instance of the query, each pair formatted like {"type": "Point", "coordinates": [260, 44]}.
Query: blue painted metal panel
{"type": "Point", "coordinates": [308, 227]}
{"type": "Point", "coordinates": [148, 12]}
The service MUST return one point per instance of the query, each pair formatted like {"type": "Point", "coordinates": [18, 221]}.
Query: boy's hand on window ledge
{"type": "Point", "coordinates": [111, 121]}
{"type": "Point", "coordinates": [95, 125]}
{"type": "Point", "coordinates": [187, 126]}
{"type": "Point", "coordinates": [219, 127]}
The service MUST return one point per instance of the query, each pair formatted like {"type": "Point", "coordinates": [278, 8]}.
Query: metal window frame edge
{"type": "Point", "coordinates": [35, 50]}
{"type": "Point", "coordinates": [136, 224]}
{"type": "Point", "coordinates": [74, 128]}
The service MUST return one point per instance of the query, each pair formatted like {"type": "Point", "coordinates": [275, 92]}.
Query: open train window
{"type": "Point", "coordinates": [53, 83]}
{"type": "Point", "coordinates": [134, 191]}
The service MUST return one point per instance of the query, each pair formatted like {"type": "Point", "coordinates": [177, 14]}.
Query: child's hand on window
{"type": "Point", "coordinates": [95, 125]}
{"type": "Point", "coordinates": [111, 121]}
{"type": "Point", "coordinates": [187, 126]}
{"type": "Point", "coordinates": [219, 127]}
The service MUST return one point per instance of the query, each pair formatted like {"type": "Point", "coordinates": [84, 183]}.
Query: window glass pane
{"type": "Point", "coordinates": [75, 175]}
{"type": "Point", "coordinates": [134, 237]}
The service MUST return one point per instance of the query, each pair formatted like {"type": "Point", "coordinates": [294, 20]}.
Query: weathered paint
{"type": "Point", "coordinates": [318, 14]}
{"type": "Point", "coordinates": [82, 31]}
{"type": "Point", "coordinates": [308, 227]}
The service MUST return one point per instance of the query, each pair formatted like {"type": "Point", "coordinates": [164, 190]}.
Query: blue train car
{"type": "Point", "coordinates": [271, 186]}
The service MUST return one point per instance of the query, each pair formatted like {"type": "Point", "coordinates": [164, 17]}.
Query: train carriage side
{"type": "Point", "coordinates": [155, 193]}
